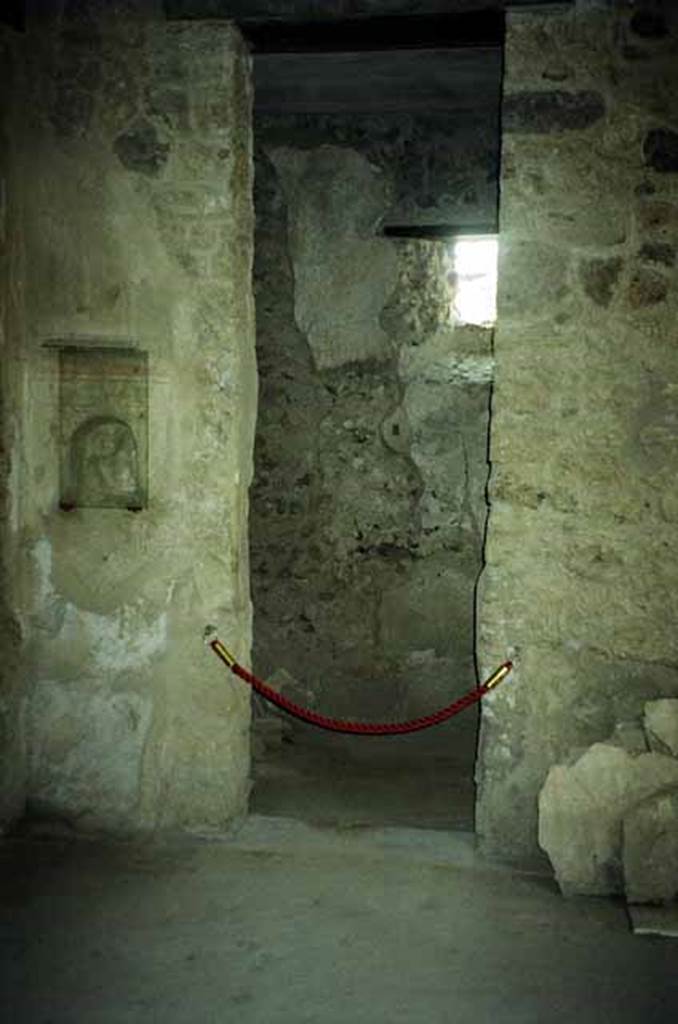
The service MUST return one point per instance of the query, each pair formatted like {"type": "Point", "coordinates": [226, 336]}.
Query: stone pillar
{"type": "Point", "coordinates": [581, 585]}
{"type": "Point", "coordinates": [133, 396]}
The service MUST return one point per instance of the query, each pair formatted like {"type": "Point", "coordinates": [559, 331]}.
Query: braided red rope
{"type": "Point", "coordinates": [359, 728]}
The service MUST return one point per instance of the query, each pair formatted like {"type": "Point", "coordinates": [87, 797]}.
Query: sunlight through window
{"type": "Point", "coordinates": [474, 276]}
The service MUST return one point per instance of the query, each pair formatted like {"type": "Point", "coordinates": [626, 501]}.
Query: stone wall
{"type": "Point", "coordinates": [370, 459]}
{"type": "Point", "coordinates": [580, 585]}
{"type": "Point", "coordinates": [441, 166]}
{"type": "Point", "coordinates": [129, 225]}
{"type": "Point", "coordinates": [12, 740]}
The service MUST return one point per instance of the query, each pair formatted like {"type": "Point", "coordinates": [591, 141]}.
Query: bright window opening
{"type": "Point", "coordinates": [474, 274]}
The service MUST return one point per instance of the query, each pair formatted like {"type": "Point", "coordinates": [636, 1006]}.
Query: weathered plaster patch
{"type": "Point", "coordinates": [469, 370]}
{"type": "Point", "coordinates": [120, 642]}
{"type": "Point", "coordinates": [85, 752]}
{"type": "Point", "coordinates": [343, 274]}
{"type": "Point", "coordinates": [42, 558]}
{"type": "Point", "coordinates": [116, 643]}
{"type": "Point", "coordinates": [47, 610]}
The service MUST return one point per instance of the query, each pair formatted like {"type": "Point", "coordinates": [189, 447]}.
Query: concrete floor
{"type": "Point", "coordinates": [289, 924]}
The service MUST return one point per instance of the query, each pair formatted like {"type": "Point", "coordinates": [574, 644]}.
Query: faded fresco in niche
{"type": "Point", "coordinates": [104, 466]}
{"type": "Point", "coordinates": [103, 411]}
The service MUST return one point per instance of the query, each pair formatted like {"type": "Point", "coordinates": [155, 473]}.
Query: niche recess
{"type": "Point", "coordinates": [103, 417]}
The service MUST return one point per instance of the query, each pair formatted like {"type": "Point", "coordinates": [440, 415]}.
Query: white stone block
{"type": "Point", "coordinates": [581, 809]}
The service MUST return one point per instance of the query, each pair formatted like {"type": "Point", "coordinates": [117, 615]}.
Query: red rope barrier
{"type": "Point", "coordinates": [358, 728]}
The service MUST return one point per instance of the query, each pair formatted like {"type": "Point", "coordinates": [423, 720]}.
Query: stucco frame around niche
{"type": "Point", "coordinates": [103, 427]}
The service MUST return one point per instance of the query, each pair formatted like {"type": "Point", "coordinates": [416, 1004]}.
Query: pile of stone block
{"type": "Point", "coordinates": [609, 820]}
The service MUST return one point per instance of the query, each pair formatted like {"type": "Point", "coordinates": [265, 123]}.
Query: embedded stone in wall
{"type": "Point", "coordinates": [651, 850]}
{"type": "Point", "coordinates": [658, 252]}
{"type": "Point", "coordinates": [647, 288]}
{"type": "Point", "coordinates": [599, 278]}
{"type": "Point", "coordinates": [630, 737]}
{"type": "Point", "coordinates": [532, 278]}
{"type": "Point", "coordinates": [660, 150]}
{"type": "Point", "coordinates": [558, 187]}
{"type": "Point", "coordinates": [658, 218]}
{"type": "Point", "coordinates": [581, 807]}
{"type": "Point", "coordinates": [661, 725]}
{"type": "Point", "coordinates": [165, 100]}
{"type": "Point", "coordinates": [140, 148]}
{"type": "Point", "coordinates": [551, 111]}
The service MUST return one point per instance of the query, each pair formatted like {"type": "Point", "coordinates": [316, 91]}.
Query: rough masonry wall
{"type": "Point", "coordinates": [12, 740]}
{"type": "Point", "coordinates": [370, 458]}
{"type": "Point", "coordinates": [580, 585]}
{"type": "Point", "coordinates": [442, 166]}
{"type": "Point", "coordinates": [130, 225]}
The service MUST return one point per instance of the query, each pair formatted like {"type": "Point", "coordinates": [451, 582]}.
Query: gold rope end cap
{"type": "Point", "coordinates": [499, 675]}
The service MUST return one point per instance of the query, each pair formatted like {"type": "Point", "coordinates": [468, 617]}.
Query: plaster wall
{"type": "Point", "coordinates": [370, 458]}
{"type": "Point", "coordinates": [580, 583]}
{"type": "Point", "coordinates": [129, 224]}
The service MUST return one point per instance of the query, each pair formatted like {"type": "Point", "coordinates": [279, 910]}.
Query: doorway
{"type": "Point", "coordinates": [368, 506]}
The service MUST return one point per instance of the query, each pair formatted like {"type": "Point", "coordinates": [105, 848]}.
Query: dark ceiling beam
{"type": "Point", "coordinates": [325, 11]}
{"type": "Point", "coordinates": [379, 82]}
{"type": "Point", "coordinates": [439, 232]}
{"type": "Point", "coordinates": [470, 29]}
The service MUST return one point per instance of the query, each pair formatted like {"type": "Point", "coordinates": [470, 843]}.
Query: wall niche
{"type": "Point", "coordinates": [103, 417]}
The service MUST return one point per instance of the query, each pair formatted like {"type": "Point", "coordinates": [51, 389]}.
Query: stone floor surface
{"type": "Point", "coordinates": [286, 923]}
{"type": "Point", "coordinates": [332, 780]}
